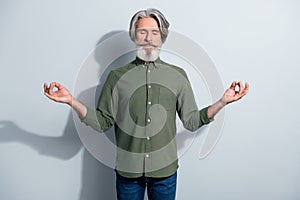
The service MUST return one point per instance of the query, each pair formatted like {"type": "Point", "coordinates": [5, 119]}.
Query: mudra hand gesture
{"type": "Point", "coordinates": [235, 92]}
{"type": "Point", "coordinates": [58, 93]}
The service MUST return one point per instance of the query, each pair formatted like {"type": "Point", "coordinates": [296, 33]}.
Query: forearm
{"type": "Point", "coordinates": [80, 108]}
{"type": "Point", "coordinates": [215, 108]}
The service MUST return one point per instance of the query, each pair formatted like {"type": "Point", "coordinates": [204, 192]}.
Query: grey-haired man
{"type": "Point", "coordinates": [141, 100]}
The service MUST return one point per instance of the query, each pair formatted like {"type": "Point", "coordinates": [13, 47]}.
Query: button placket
{"type": "Point", "coordinates": [149, 91]}
{"type": "Point", "coordinates": [148, 104]}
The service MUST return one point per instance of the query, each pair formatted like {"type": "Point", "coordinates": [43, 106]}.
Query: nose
{"type": "Point", "coordinates": [148, 37]}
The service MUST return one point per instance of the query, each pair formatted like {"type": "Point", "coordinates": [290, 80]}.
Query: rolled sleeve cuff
{"type": "Point", "coordinates": [204, 117]}
{"type": "Point", "coordinates": [91, 118]}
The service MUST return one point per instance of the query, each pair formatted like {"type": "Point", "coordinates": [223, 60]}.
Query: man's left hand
{"type": "Point", "coordinates": [235, 92]}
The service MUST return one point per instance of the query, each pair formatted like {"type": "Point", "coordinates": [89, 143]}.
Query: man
{"type": "Point", "coordinates": [140, 100]}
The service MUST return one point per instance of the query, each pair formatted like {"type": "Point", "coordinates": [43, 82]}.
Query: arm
{"type": "Point", "coordinates": [100, 119]}
{"type": "Point", "coordinates": [230, 95]}
{"type": "Point", "coordinates": [192, 118]}
{"type": "Point", "coordinates": [62, 95]}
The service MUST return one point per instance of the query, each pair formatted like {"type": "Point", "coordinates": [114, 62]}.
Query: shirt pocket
{"type": "Point", "coordinates": [166, 98]}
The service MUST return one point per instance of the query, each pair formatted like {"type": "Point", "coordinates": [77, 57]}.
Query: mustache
{"type": "Point", "coordinates": [146, 44]}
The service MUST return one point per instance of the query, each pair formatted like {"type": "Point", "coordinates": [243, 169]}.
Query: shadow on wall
{"type": "Point", "coordinates": [98, 180]}
{"type": "Point", "coordinates": [65, 147]}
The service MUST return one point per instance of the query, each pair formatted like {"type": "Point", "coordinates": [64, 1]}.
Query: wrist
{"type": "Point", "coordinates": [71, 101]}
{"type": "Point", "coordinates": [222, 102]}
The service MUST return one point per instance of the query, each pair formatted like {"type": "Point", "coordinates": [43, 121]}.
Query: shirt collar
{"type": "Point", "coordinates": [140, 62]}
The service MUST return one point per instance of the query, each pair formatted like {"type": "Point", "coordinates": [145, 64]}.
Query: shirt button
{"type": "Point", "coordinates": [148, 120]}
{"type": "Point", "coordinates": [147, 155]}
{"type": "Point", "coordinates": [149, 102]}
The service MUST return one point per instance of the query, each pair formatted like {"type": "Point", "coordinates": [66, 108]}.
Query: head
{"type": "Point", "coordinates": [148, 29]}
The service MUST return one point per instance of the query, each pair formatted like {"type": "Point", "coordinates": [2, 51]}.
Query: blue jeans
{"type": "Point", "coordinates": [157, 188]}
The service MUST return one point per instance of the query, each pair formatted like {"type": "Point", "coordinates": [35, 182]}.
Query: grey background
{"type": "Point", "coordinates": [257, 156]}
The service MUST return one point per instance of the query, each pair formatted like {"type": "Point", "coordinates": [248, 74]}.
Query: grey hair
{"type": "Point", "coordinates": [162, 22]}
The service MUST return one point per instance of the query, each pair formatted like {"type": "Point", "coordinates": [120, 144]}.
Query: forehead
{"type": "Point", "coordinates": [147, 22]}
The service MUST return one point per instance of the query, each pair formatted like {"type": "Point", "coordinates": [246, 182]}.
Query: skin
{"type": "Point", "coordinates": [147, 32]}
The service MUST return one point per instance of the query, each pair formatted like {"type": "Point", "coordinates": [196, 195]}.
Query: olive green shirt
{"type": "Point", "coordinates": [141, 100]}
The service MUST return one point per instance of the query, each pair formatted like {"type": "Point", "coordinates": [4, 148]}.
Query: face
{"type": "Point", "coordinates": [148, 39]}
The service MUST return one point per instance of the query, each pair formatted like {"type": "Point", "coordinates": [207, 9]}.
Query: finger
{"type": "Point", "coordinates": [57, 85]}
{"type": "Point", "coordinates": [52, 97]}
{"type": "Point", "coordinates": [60, 87]}
{"type": "Point", "coordinates": [246, 88]}
{"type": "Point", "coordinates": [45, 87]}
{"type": "Point", "coordinates": [48, 95]}
{"type": "Point", "coordinates": [241, 87]}
{"type": "Point", "coordinates": [51, 87]}
{"type": "Point", "coordinates": [233, 84]}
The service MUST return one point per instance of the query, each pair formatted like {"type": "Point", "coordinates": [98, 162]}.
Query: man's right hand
{"type": "Point", "coordinates": [58, 93]}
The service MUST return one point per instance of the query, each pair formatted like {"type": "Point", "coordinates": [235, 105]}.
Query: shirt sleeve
{"type": "Point", "coordinates": [102, 118]}
{"type": "Point", "coordinates": [192, 118]}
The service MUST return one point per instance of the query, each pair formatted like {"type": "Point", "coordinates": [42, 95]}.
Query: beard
{"type": "Point", "coordinates": [147, 51]}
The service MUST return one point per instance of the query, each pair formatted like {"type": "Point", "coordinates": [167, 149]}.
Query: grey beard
{"type": "Point", "coordinates": [148, 56]}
